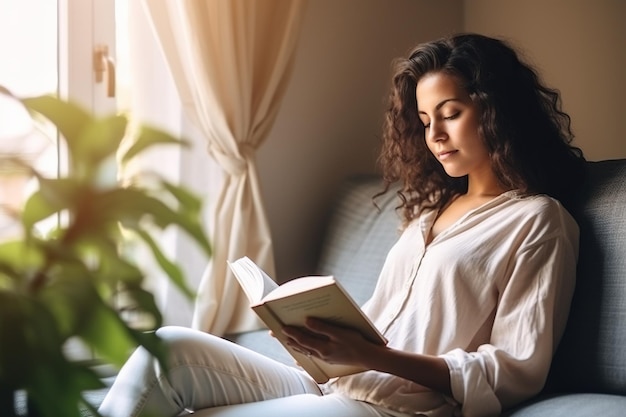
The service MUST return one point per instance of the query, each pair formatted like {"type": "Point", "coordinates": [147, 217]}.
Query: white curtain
{"type": "Point", "coordinates": [231, 61]}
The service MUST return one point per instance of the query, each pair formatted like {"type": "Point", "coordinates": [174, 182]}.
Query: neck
{"type": "Point", "coordinates": [486, 187]}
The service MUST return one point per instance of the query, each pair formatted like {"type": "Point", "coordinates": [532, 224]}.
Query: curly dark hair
{"type": "Point", "coordinates": [525, 131]}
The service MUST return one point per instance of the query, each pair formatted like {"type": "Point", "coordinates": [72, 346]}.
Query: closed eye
{"type": "Point", "coordinates": [451, 117]}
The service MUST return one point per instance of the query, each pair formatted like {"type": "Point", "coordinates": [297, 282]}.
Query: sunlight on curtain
{"type": "Point", "coordinates": [231, 61]}
{"type": "Point", "coordinates": [146, 92]}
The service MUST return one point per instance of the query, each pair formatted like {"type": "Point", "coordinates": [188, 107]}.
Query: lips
{"type": "Point", "coordinates": [445, 154]}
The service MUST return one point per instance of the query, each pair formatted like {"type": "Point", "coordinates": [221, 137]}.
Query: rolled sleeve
{"type": "Point", "coordinates": [470, 385]}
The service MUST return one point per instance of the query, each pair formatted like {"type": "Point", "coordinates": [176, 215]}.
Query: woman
{"type": "Point", "coordinates": [474, 296]}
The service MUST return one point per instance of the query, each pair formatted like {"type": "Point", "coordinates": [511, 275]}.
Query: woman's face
{"type": "Point", "coordinates": [451, 123]}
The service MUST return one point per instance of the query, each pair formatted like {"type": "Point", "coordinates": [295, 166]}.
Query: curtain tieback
{"type": "Point", "coordinates": [232, 164]}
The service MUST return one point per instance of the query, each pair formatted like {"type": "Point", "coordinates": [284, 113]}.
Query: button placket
{"type": "Point", "coordinates": [406, 291]}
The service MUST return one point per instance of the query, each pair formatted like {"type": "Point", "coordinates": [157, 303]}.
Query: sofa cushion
{"type": "Point", "coordinates": [592, 354]}
{"type": "Point", "coordinates": [572, 405]}
{"type": "Point", "coordinates": [260, 341]}
{"type": "Point", "coordinates": [359, 235]}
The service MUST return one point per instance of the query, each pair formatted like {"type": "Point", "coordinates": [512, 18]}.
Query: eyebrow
{"type": "Point", "coordinates": [439, 105]}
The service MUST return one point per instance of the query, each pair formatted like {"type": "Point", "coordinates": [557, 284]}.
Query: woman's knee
{"type": "Point", "coordinates": [174, 334]}
{"type": "Point", "coordinates": [185, 345]}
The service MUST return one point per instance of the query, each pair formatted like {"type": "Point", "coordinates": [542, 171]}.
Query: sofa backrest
{"type": "Point", "coordinates": [592, 353]}
{"type": "Point", "coordinates": [359, 235]}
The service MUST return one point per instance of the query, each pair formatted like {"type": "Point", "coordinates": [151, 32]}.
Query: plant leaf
{"type": "Point", "coordinates": [130, 205]}
{"type": "Point", "coordinates": [53, 196]}
{"type": "Point", "coordinates": [107, 334]}
{"type": "Point", "coordinates": [20, 259]}
{"type": "Point", "coordinates": [115, 340]}
{"type": "Point", "coordinates": [99, 140]}
{"type": "Point", "coordinates": [14, 359]}
{"type": "Point", "coordinates": [144, 302]}
{"type": "Point", "coordinates": [33, 336]}
{"type": "Point", "coordinates": [57, 388]}
{"type": "Point", "coordinates": [189, 202]}
{"type": "Point", "coordinates": [148, 137]}
{"type": "Point", "coordinates": [68, 117]}
{"type": "Point", "coordinates": [170, 268]}
{"type": "Point", "coordinates": [70, 297]}
{"type": "Point", "coordinates": [115, 269]}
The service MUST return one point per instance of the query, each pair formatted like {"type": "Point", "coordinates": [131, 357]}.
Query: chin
{"type": "Point", "coordinates": [455, 173]}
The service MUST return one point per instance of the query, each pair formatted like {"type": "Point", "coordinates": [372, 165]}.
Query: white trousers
{"type": "Point", "coordinates": [214, 377]}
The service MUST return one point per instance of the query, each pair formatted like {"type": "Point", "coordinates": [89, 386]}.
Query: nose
{"type": "Point", "coordinates": [435, 132]}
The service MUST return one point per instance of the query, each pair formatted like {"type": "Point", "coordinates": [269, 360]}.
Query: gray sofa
{"type": "Point", "coordinates": [588, 376]}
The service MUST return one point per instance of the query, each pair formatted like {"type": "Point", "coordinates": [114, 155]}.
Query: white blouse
{"type": "Point", "coordinates": [490, 295]}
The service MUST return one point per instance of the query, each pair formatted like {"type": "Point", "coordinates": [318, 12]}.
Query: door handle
{"type": "Point", "coordinates": [103, 63]}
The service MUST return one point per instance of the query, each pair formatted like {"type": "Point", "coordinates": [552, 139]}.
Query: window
{"type": "Point", "coordinates": [47, 47]}
{"type": "Point", "coordinates": [25, 73]}
{"type": "Point", "coordinates": [51, 50]}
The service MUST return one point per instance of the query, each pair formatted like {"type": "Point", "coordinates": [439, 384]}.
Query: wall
{"type": "Point", "coordinates": [330, 120]}
{"type": "Point", "coordinates": [580, 48]}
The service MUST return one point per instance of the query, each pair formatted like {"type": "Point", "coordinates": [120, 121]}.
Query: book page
{"type": "Point", "coordinates": [254, 281]}
{"type": "Point", "coordinates": [326, 300]}
{"type": "Point", "coordinates": [299, 285]}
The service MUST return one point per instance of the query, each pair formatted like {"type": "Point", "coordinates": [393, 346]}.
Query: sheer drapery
{"type": "Point", "coordinates": [231, 61]}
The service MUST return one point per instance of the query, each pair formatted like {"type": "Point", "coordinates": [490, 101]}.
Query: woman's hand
{"type": "Point", "coordinates": [330, 342]}
{"type": "Point", "coordinates": [336, 344]}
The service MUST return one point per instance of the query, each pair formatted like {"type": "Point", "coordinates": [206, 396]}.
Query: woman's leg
{"type": "Point", "coordinates": [303, 405]}
{"type": "Point", "coordinates": [204, 371]}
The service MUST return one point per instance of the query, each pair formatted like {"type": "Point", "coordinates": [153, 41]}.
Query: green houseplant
{"type": "Point", "coordinates": [58, 287]}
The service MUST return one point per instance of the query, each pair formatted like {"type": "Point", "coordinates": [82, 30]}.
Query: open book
{"type": "Point", "coordinates": [295, 300]}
